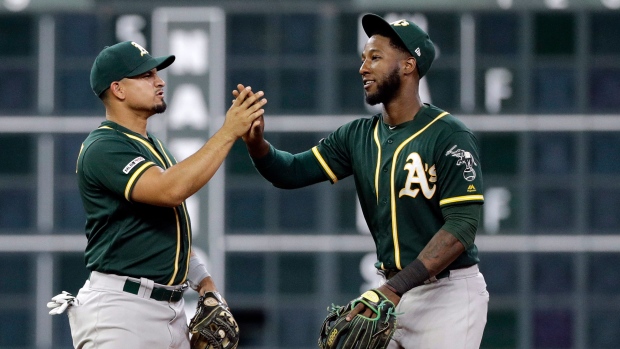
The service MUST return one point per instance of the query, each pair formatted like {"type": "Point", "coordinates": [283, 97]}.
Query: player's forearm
{"type": "Point", "coordinates": [258, 149]}
{"type": "Point", "coordinates": [207, 284]}
{"type": "Point", "coordinates": [442, 250]}
{"type": "Point", "coordinates": [191, 174]}
{"type": "Point", "coordinates": [172, 186]}
{"type": "Point", "coordinates": [287, 171]}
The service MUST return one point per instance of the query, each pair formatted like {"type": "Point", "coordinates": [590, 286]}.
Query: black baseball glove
{"type": "Point", "coordinates": [213, 326]}
{"type": "Point", "coordinates": [361, 332]}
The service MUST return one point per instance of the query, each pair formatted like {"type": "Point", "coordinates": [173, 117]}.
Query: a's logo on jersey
{"type": "Point", "coordinates": [417, 178]}
{"type": "Point", "coordinates": [464, 158]}
{"type": "Point", "coordinates": [132, 164]}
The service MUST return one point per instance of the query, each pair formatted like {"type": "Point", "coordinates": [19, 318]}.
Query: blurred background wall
{"type": "Point", "coordinates": [537, 80]}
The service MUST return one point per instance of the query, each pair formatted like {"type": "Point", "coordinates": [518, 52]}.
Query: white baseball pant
{"type": "Point", "coordinates": [450, 313]}
{"type": "Point", "coordinates": [106, 317]}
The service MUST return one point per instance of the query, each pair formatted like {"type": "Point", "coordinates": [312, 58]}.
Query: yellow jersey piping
{"type": "Point", "coordinates": [149, 146]}
{"type": "Point", "coordinates": [134, 176]}
{"type": "Point", "coordinates": [461, 199]}
{"type": "Point", "coordinates": [393, 197]}
{"type": "Point", "coordinates": [377, 170]}
{"type": "Point", "coordinates": [176, 259]}
{"type": "Point", "coordinates": [330, 173]}
{"type": "Point", "coordinates": [189, 233]}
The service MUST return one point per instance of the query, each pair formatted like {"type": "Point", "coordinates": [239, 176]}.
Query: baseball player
{"type": "Point", "coordinates": [418, 176]}
{"type": "Point", "coordinates": [138, 227]}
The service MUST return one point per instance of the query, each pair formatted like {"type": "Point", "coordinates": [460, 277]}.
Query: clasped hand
{"type": "Point", "coordinates": [245, 109]}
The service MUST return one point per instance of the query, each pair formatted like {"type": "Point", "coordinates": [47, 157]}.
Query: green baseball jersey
{"type": "Point", "coordinates": [125, 237]}
{"type": "Point", "coordinates": [404, 175]}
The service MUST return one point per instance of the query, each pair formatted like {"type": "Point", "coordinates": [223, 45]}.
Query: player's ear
{"type": "Point", "coordinates": [117, 90]}
{"type": "Point", "coordinates": [409, 65]}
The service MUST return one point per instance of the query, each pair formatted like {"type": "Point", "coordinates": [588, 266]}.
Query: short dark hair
{"type": "Point", "coordinates": [395, 41]}
{"type": "Point", "coordinates": [398, 44]}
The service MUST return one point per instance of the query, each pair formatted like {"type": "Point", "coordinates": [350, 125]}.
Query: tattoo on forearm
{"type": "Point", "coordinates": [441, 251]}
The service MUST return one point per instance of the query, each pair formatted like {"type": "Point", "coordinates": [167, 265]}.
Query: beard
{"type": "Point", "coordinates": [386, 90]}
{"type": "Point", "coordinates": [158, 109]}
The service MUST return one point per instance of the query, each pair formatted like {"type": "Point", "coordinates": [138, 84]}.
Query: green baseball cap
{"type": "Point", "coordinates": [416, 40]}
{"type": "Point", "coordinates": [125, 59]}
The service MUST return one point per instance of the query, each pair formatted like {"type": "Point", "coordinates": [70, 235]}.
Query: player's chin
{"type": "Point", "coordinates": [372, 98]}
{"type": "Point", "coordinates": [160, 107]}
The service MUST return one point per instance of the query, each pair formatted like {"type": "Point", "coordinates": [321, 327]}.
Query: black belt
{"type": "Point", "coordinates": [389, 273]}
{"type": "Point", "coordinates": [158, 293]}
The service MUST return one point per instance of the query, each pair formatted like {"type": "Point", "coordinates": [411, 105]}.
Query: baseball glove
{"type": "Point", "coordinates": [213, 326]}
{"type": "Point", "coordinates": [361, 332]}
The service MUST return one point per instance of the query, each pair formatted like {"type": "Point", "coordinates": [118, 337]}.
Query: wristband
{"type": "Point", "coordinates": [389, 287]}
{"type": "Point", "coordinates": [197, 272]}
{"type": "Point", "coordinates": [413, 275]}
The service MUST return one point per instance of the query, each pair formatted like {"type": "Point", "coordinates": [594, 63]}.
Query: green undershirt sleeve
{"type": "Point", "coordinates": [462, 221]}
{"type": "Point", "coordinates": [287, 171]}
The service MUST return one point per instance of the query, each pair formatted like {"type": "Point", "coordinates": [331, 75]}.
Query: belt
{"type": "Point", "coordinates": [389, 273]}
{"type": "Point", "coordinates": [142, 287]}
{"type": "Point", "coordinates": [158, 293]}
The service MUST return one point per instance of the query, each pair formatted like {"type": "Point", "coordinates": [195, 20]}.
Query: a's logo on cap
{"type": "Point", "coordinates": [400, 23]}
{"type": "Point", "coordinates": [418, 52]}
{"type": "Point", "coordinates": [143, 51]}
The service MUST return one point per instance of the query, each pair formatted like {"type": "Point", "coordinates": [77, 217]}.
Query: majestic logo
{"type": "Point", "coordinates": [400, 23]}
{"type": "Point", "coordinates": [143, 51]}
{"type": "Point", "coordinates": [417, 178]}
{"type": "Point", "coordinates": [132, 164]}
{"type": "Point", "coordinates": [464, 158]}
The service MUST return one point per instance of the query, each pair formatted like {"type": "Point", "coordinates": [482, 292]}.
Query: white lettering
{"type": "Point", "coordinates": [182, 148]}
{"type": "Point", "coordinates": [130, 27]}
{"type": "Point", "coordinates": [611, 4]}
{"type": "Point", "coordinates": [417, 175]}
{"type": "Point", "coordinates": [556, 4]}
{"type": "Point", "coordinates": [132, 164]}
{"type": "Point", "coordinates": [188, 108]}
{"type": "Point", "coordinates": [191, 49]}
{"type": "Point", "coordinates": [504, 4]}
{"type": "Point", "coordinates": [497, 88]}
{"type": "Point", "coordinates": [16, 5]}
{"type": "Point", "coordinates": [496, 208]}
